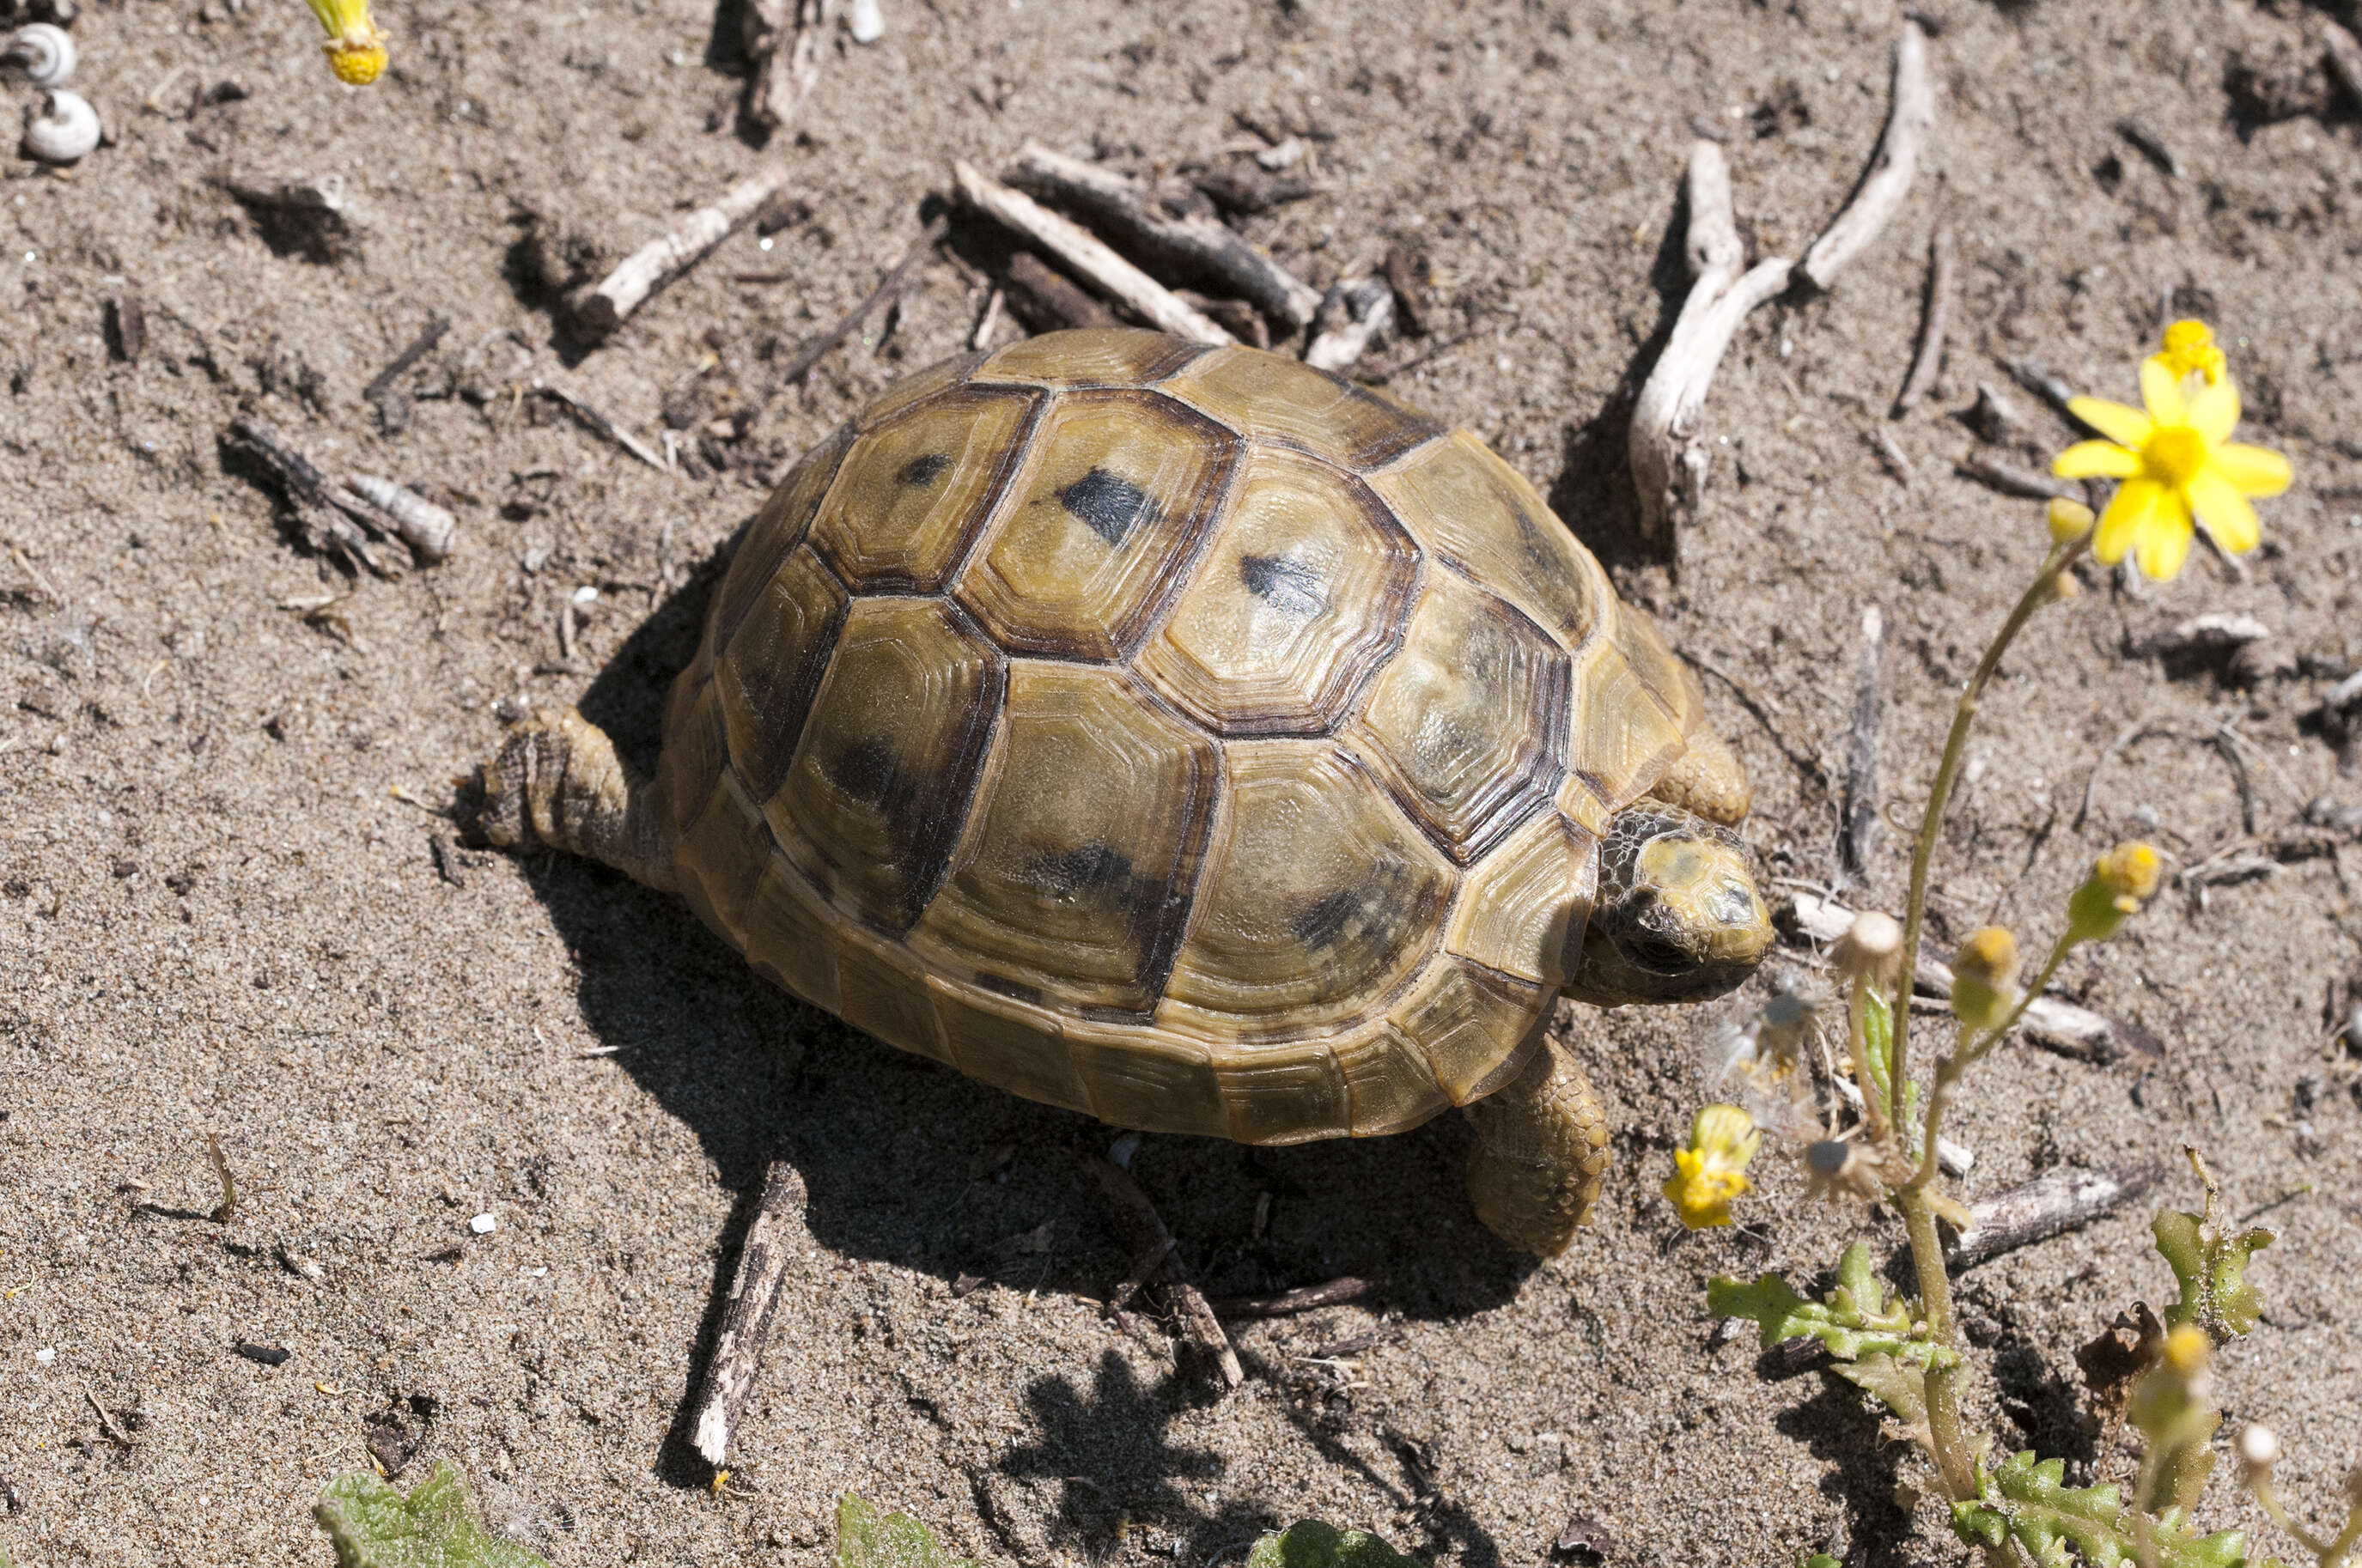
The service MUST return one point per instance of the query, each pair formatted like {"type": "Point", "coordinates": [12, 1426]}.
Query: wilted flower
{"type": "Point", "coordinates": [2121, 880]}
{"type": "Point", "coordinates": [1984, 978]}
{"type": "Point", "coordinates": [1870, 950]}
{"type": "Point", "coordinates": [1765, 1055]}
{"type": "Point", "coordinates": [1848, 1167]}
{"type": "Point", "coordinates": [1711, 1171]}
{"type": "Point", "coordinates": [2259, 1450]}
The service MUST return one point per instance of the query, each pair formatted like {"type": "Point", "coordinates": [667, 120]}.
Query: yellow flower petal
{"type": "Point", "coordinates": [2096, 459]}
{"type": "Point", "coordinates": [2113, 420]}
{"type": "Point", "coordinates": [2161, 393]}
{"type": "Point", "coordinates": [2164, 544]}
{"type": "Point", "coordinates": [2254, 470]}
{"type": "Point", "coordinates": [2224, 512]}
{"type": "Point", "coordinates": [2135, 506]}
{"type": "Point", "coordinates": [2214, 411]}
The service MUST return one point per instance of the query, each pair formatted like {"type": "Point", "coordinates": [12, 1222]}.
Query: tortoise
{"type": "Point", "coordinates": [1195, 739]}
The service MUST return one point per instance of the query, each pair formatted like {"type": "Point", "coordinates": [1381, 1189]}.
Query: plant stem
{"type": "Point", "coordinates": [1954, 1068]}
{"type": "Point", "coordinates": [1956, 745]}
{"type": "Point", "coordinates": [1948, 1443]}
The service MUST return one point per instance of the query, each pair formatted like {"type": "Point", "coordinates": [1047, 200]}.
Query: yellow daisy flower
{"type": "Point", "coordinates": [1711, 1172]}
{"type": "Point", "coordinates": [2190, 351]}
{"type": "Point", "coordinates": [2175, 461]}
{"type": "Point", "coordinates": [355, 44]}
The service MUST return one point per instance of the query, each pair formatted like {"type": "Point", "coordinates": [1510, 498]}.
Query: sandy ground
{"type": "Point", "coordinates": [216, 917]}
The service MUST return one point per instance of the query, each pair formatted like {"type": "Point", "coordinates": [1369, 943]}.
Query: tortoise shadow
{"type": "Point", "coordinates": [907, 1162]}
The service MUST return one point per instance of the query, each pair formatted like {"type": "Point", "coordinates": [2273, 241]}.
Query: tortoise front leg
{"type": "Point", "coordinates": [1541, 1149]}
{"type": "Point", "coordinates": [557, 781]}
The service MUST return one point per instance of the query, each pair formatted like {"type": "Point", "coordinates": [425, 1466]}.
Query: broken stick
{"type": "Point", "coordinates": [2042, 1208]}
{"type": "Point", "coordinates": [771, 1244]}
{"type": "Point", "coordinates": [599, 311]}
{"type": "Point", "coordinates": [1195, 244]}
{"type": "Point", "coordinates": [1088, 257]}
{"type": "Point", "coordinates": [1047, 300]}
{"type": "Point", "coordinates": [784, 40]}
{"type": "Point", "coordinates": [1351, 317]}
{"type": "Point", "coordinates": [1882, 190]}
{"type": "Point", "coordinates": [334, 520]}
{"type": "Point", "coordinates": [1309, 1298]}
{"type": "Point", "coordinates": [1143, 1229]}
{"type": "Point", "coordinates": [1934, 324]}
{"type": "Point", "coordinates": [816, 348]}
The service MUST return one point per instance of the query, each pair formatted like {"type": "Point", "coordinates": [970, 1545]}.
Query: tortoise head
{"type": "Point", "coordinates": [1677, 917]}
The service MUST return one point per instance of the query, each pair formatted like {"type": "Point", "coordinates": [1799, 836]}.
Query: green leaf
{"type": "Point", "coordinates": [1854, 1321]}
{"type": "Point", "coordinates": [2212, 1270]}
{"type": "Point", "coordinates": [1878, 1046]}
{"type": "Point", "coordinates": [1312, 1544]}
{"type": "Point", "coordinates": [867, 1539]}
{"type": "Point", "coordinates": [2028, 1500]}
{"type": "Point", "coordinates": [1902, 1387]}
{"type": "Point", "coordinates": [374, 1526]}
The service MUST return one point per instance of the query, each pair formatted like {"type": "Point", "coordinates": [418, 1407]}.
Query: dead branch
{"type": "Point", "coordinates": [816, 348]}
{"type": "Point", "coordinates": [2044, 1207]}
{"type": "Point", "coordinates": [1143, 1229]}
{"type": "Point", "coordinates": [2056, 1025]}
{"type": "Point", "coordinates": [1352, 316]}
{"type": "Point", "coordinates": [772, 1243]}
{"type": "Point", "coordinates": [599, 311]}
{"type": "Point", "coordinates": [784, 40]}
{"type": "Point", "coordinates": [1881, 195]}
{"type": "Point", "coordinates": [1088, 257]}
{"type": "Point", "coordinates": [1047, 300]}
{"type": "Point", "coordinates": [2011, 479]}
{"type": "Point", "coordinates": [600, 426]}
{"type": "Point", "coordinates": [1860, 814]}
{"type": "Point", "coordinates": [1191, 244]}
{"type": "Point", "coordinates": [1309, 1298]}
{"type": "Point", "coordinates": [1668, 458]}
{"type": "Point", "coordinates": [1933, 324]}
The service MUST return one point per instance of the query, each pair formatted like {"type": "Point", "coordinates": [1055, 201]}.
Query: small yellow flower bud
{"type": "Point", "coordinates": [2190, 350]}
{"type": "Point", "coordinates": [2070, 520]}
{"type": "Point", "coordinates": [2187, 1351]}
{"type": "Point", "coordinates": [1872, 950]}
{"type": "Point", "coordinates": [1984, 976]}
{"type": "Point", "coordinates": [1710, 1172]}
{"type": "Point", "coordinates": [2121, 880]}
{"type": "Point", "coordinates": [2172, 1401]}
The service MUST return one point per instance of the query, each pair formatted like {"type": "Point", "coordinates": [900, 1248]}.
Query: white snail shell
{"type": "Point", "coordinates": [44, 51]}
{"type": "Point", "coordinates": [64, 130]}
{"type": "Point", "coordinates": [867, 24]}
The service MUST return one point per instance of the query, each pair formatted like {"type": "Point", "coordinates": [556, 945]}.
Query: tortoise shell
{"type": "Point", "coordinates": [1181, 735]}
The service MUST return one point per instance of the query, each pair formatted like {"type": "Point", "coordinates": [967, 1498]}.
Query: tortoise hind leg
{"type": "Point", "coordinates": [1541, 1149]}
{"type": "Point", "coordinates": [557, 781]}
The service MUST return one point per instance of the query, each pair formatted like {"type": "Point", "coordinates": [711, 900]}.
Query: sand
{"type": "Point", "coordinates": [221, 914]}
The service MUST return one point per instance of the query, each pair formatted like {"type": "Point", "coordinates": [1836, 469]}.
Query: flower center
{"type": "Point", "coordinates": [2174, 453]}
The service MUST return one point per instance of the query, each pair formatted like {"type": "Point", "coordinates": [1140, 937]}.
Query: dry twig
{"type": "Point", "coordinates": [600, 425]}
{"type": "Point", "coordinates": [333, 518]}
{"type": "Point", "coordinates": [1087, 256]}
{"type": "Point", "coordinates": [784, 40]}
{"type": "Point", "coordinates": [2042, 1208]}
{"type": "Point", "coordinates": [816, 348]}
{"type": "Point", "coordinates": [1309, 1298]}
{"type": "Point", "coordinates": [1351, 317]}
{"type": "Point", "coordinates": [1192, 245]}
{"type": "Point", "coordinates": [2345, 58]}
{"type": "Point", "coordinates": [1860, 815]}
{"type": "Point", "coordinates": [600, 310]}
{"type": "Point", "coordinates": [1933, 324]}
{"type": "Point", "coordinates": [1880, 196]}
{"type": "Point", "coordinates": [772, 1242]}
{"type": "Point", "coordinates": [2011, 479]}
{"type": "Point", "coordinates": [1145, 1230]}
{"type": "Point", "coordinates": [1047, 300]}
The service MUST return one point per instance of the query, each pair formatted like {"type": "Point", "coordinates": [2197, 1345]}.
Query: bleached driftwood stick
{"type": "Point", "coordinates": [600, 310]}
{"type": "Point", "coordinates": [1882, 190]}
{"type": "Point", "coordinates": [1087, 256]}
{"type": "Point", "coordinates": [1668, 456]}
{"type": "Point", "coordinates": [1668, 459]}
{"type": "Point", "coordinates": [2042, 1208]}
{"type": "Point", "coordinates": [784, 40]}
{"type": "Point", "coordinates": [1194, 244]}
{"type": "Point", "coordinates": [2061, 1026]}
{"type": "Point", "coordinates": [746, 1314]}
{"type": "Point", "coordinates": [1934, 324]}
{"type": "Point", "coordinates": [1367, 307]}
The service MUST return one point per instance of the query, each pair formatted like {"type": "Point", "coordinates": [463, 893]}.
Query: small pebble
{"type": "Point", "coordinates": [483, 1224]}
{"type": "Point", "coordinates": [44, 1356]}
{"type": "Point", "coordinates": [868, 27]}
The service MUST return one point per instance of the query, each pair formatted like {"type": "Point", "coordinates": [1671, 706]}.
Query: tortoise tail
{"type": "Point", "coordinates": [558, 782]}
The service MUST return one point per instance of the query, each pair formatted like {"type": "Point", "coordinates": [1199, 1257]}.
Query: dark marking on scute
{"type": "Point", "coordinates": [1285, 585]}
{"type": "Point", "coordinates": [923, 470]}
{"type": "Point", "coordinates": [1021, 991]}
{"type": "Point", "coordinates": [1108, 504]}
{"type": "Point", "coordinates": [867, 771]}
{"type": "Point", "coordinates": [1324, 920]}
{"type": "Point", "coordinates": [1392, 898]}
{"type": "Point", "coordinates": [1067, 874]}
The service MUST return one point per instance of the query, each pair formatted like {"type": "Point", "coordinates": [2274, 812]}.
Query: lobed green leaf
{"type": "Point", "coordinates": [374, 1526]}
{"type": "Point", "coordinates": [1312, 1544]}
{"type": "Point", "coordinates": [868, 1539]}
